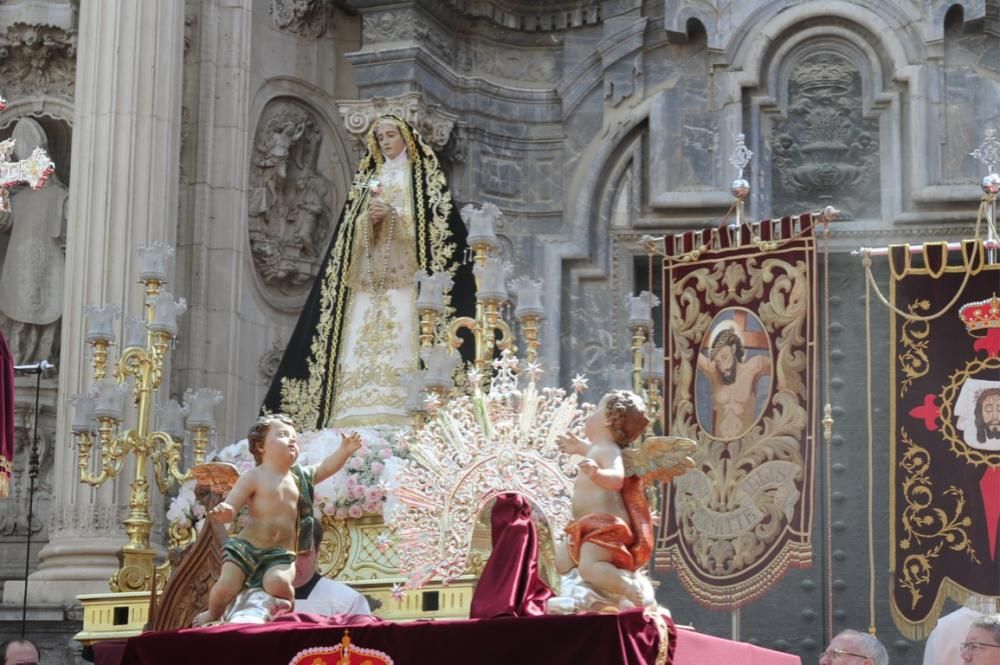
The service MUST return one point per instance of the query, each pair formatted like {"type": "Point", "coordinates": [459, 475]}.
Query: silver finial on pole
{"type": "Point", "coordinates": [740, 188]}
{"type": "Point", "coordinates": [988, 153]}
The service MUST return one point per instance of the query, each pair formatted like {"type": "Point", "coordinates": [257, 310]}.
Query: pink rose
{"type": "Point", "coordinates": [372, 507]}
{"type": "Point", "coordinates": [357, 492]}
{"type": "Point", "coordinates": [351, 481]}
{"type": "Point", "coordinates": [341, 514]}
{"type": "Point", "coordinates": [356, 463]}
{"type": "Point", "coordinates": [355, 511]}
{"type": "Point", "coordinates": [373, 494]}
{"type": "Point", "coordinates": [329, 510]}
{"type": "Point", "coordinates": [385, 453]}
{"type": "Point", "coordinates": [377, 467]}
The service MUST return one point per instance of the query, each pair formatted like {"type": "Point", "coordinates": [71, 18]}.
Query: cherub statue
{"type": "Point", "coordinates": [259, 563]}
{"type": "Point", "coordinates": [611, 536]}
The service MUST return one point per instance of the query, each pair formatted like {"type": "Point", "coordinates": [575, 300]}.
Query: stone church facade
{"type": "Point", "coordinates": [588, 123]}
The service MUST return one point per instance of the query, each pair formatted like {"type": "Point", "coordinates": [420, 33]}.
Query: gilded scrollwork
{"type": "Point", "coordinates": [925, 523]}
{"type": "Point", "coordinates": [744, 491]}
{"type": "Point", "coordinates": [914, 338]}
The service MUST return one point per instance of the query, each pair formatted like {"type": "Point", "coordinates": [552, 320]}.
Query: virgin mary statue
{"type": "Point", "coordinates": [356, 342]}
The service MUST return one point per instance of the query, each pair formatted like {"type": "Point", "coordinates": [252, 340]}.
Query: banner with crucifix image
{"type": "Point", "coordinates": [945, 431]}
{"type": "Point", "coordinates": [741, 357]}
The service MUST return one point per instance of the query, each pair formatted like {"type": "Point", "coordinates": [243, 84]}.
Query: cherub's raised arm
{"type": "Point", "coordinates": [333, 462]}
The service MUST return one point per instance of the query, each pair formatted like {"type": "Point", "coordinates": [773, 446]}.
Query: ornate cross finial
{"type": "Point", "coordinates": [34, 170]}
{"type": "Point", "coordinates": [988, 151]}
{"type": "Point", "coordinates": [741, 155]}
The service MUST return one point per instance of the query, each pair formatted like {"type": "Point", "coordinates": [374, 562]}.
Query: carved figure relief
{"type": "Point", "coordinates": [306, 18]}
{"type": "Point", "coordinates": [31, 279]}
{"type": "Point", "coordinates": [37, 59]}
{"type": "Point", "coordinates": [291, 203]}
{"type": "Point", "coordinates": [825, 152]}
{"type": "Point", "coordinates": [407, 26]}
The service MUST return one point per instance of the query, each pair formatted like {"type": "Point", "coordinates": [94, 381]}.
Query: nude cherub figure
{"type": "Point", "coordinates": [611, 532]}
{"type": "Point", "coordinates": [279, 495]}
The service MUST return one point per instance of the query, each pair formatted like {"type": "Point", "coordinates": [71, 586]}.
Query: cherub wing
{"type": "Point", "coordinates": [216, 477]}
{"type": "Point", "coordinates": [660, 458]}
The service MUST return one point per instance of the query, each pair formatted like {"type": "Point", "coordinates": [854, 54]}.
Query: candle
{"type": "Point", "coordinates": [481, 224]}
{"type": "Point", "coordinates": [652, 363]}
{"type": "Point", "coordinates": [83, 413]}
{"type": "Point", "coordinates": [170, 417]}
{"type": "Point", "coordinates": [135, 332]}
{"type": "Point", "coordinates": [415, 391]}
{"type": "Point", "coordinates": [153, 261]}
{"type": "Point", "coordinates": [441, 361]}
{"type": "Point", "coordinates": [639, 309]}
{"type": "Point", "coordinates": [529, 297]}
{"type": "Point", "coordinates": [165, 313]}
{"type": "Point", "coordinates": [200, 403]}
{"type": "Point", "coordinates": [110, 401]}
{"type": "Point", "coordinates": [491, 276]}
{"type": "Point", "coordinates": [431, 289]}
{"type": "Point", "coordinates": [101, 320]}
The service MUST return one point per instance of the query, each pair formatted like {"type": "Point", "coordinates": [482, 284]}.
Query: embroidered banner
{"type": "Point", "coordinates": [944, 432]}
{"type": "Point", "coordinates": [741, 357]}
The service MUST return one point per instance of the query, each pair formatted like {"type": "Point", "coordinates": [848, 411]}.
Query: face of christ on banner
{"type": "Point", "coordinates": [734, 374]}
{"type": "Point", "coordinates": [978, 414]}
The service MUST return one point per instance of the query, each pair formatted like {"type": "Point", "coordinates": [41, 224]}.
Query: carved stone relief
{"type": "Point", "coordinates": [433, 123]}
{"type": "Point", "coordinates": [306, 18]}
{"type": "Point", "coordinates": [31, 278]}
{"type": "Point", "coordinates": [37, 59]}
{"type": "Point", "coordinates": [291, 204]}
{"type": "Point", "coordinates": [825, 152]}
{"type": "Point", "coordinates": [267, 366]}
{"type": "Point", "coordinates": [499, 61]}
{"type": "Point", "coordinates": [86, 520]}
{"type": "Point", "coordinates": [407, 25]}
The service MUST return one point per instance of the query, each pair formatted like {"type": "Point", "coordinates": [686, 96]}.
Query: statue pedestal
{"type": "Point", "coordinates": [360, 553]}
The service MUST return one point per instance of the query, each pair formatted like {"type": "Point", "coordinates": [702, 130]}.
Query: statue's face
{"type": "Point", "coordinates": [390, 141]}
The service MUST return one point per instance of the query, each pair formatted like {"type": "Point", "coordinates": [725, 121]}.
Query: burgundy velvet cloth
{"type": "Point", "coordinates": [6, 418]}
{"type": "Point", "coordinates": [509, 585]}
{"type": "Point", "coordinates": [628, 638]}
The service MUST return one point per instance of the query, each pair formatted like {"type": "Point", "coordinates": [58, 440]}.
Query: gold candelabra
{"type": "Point", "coordinates": [439, 339]}
{"type": "Point", "coordinates": [102, 408]}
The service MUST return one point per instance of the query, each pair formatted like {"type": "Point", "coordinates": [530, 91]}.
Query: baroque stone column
{"type": "Point", "coordinates": [125, 161]}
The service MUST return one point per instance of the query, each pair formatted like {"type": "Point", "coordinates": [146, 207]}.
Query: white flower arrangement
{"type": "Point", "coordinates": [363, 487]}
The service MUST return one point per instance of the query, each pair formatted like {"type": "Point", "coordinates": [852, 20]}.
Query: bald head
{"type": "Point", "coordinates": [20, 652]}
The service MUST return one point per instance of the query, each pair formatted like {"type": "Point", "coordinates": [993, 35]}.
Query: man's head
{"type": "Point", "coordinates": [305, 562]}
{"type": "Point", "coordinates": [19, 652]}
{"type": "Point", "coordinates": [269, 425]}
{"type": "Point", "coordinates": [852, 647]}
{"type": "Point", "coordinates": [726, 353]}
{"type": "Point", "coordinates": [624, 414]}
{"type": "Point", "coordinates": [988, 415]}
{"type": "Point", "coordinates": [982, 642]}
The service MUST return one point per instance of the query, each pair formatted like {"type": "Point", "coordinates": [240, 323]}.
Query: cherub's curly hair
{"type": "Point", "coordinates": [259, 431]}
{"type": "Point", "coordinates": [625, 414]}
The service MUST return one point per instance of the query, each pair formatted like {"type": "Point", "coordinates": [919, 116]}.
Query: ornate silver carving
{"type": "Point", "coordinates": [37, 59]}
{"type": "Point", "coordinates": [988, 151]}
{"type": "Point", "coordinates": [433, 123]}
{"type": "Point", "coordinates": [306, 18]}
{"type": "Point", "coordinates": [825, 151]}
{"type": "Point", "coordinates": [291, 203]}
{"type": "Point", "coordinates": [475, 448]}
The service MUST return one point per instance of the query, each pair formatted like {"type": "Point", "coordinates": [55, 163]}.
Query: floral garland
{"type": "Point", "coordinates": [363, 487]}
